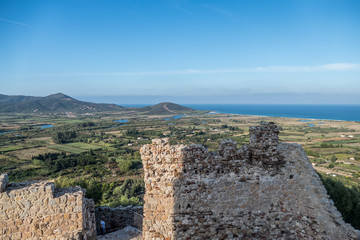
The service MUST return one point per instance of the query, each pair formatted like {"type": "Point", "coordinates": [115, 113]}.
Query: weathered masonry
{"type": "Point", "coordinates": [36, 210]}
{"type": "Point", "coordinates": [264, 190]}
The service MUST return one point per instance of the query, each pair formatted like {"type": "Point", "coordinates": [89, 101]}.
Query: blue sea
{"type": "Point", "coordinates": [331, 112]}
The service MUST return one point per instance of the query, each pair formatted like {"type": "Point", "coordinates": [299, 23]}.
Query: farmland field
{"type": "Point", "coordinates": [28, 153]}
{"type": "Point", "coordinates": [84, 146]}
{"type": "Point", "coordinates": [66, 148]}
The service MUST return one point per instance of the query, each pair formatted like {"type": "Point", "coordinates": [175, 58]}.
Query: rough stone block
{"type": "Point", "coordinates": [4, 181]}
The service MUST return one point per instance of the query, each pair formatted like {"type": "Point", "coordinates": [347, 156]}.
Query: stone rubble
{"type": "Point", "coordinates": [127, 233]}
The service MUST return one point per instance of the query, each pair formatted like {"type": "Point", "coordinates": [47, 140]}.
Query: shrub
{"type": "Point", "coordinates": [94, 189]}
{"type": "Point", "coordinates": [125, 165]}
{"type": "Point", "coordinates": [124, 201]}
{"type": "Point", "coordinates": [331, 165]}
{"type": "Point", "coordinates": [118, 190]}
{"type": "Point", "coordinates": [312, 153]}
{"type": "Point", "coordinates": [37, 162]}
{"type": "Point", "coordinates": [326, 145]}
{"type": "Point", "coordinates": [130, 188]}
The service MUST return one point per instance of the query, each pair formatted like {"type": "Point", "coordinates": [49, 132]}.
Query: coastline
{"type": "Point", "coordinates": [310, 119]}
{"type": "Point", "coordinates": [350, 112]}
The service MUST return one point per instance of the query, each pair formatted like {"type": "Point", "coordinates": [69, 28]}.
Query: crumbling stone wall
{"type": "Point", "coordinates": [36, 210]}
{"type": "Point", "coordinates": [264, 190]}
{"type": "Point", "coordinates": [118, 218]}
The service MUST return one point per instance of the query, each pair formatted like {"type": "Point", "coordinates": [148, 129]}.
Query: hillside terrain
{"type": "Point", "coordinates": [60, 103]}
{"type": "Point", "coordinates": [165, 108]}
{"type": "Point", "coordinates": [55, 103]}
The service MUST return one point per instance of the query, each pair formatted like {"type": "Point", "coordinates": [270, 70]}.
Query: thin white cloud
{"type": "Point", "coordinates": [137, 15]}
{"type": "Point", "coordinates": [181, 9]}
{"type": "Point", "coordinates": [333, 67]}
{"type": "Point", "coordinates": [220, 11]}
{"type": "Point", "coordinates": [340, 66]}
{"type": "Point", "coordinates": [13, 22]}
{"type": "Point", "coordinates": [326, 67]}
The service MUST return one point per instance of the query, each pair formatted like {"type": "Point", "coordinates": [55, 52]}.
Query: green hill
{"type": "Point", "coordinates": [165, 108]}
{"type": "Point", "coordinates": [55, 103]}
{"type": "Point", "coordinates": [60, 103]}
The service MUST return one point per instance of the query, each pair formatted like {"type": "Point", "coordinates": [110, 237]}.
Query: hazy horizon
{"type": "Point", "coordinates": [245, 99]}
{"type": "Point", "coordinates": [241, 52]}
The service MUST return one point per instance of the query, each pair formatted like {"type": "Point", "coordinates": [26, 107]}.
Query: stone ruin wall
{"type": "Point", "coordinates": [36, 210]}
{"type": "Point", "coordinates": [264, 190]}
{"type": "Point", "coordinates": [118, 218]}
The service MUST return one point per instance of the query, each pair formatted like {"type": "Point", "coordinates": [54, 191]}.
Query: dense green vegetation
{"type": "Point", "coordinates": [346, 200]}
{"type": "Point", "coordinates": [55, 162]}
{"type": "Point", "coordinates": [128, 192]}
{"type": "Point", "coordinates": [64, 136]}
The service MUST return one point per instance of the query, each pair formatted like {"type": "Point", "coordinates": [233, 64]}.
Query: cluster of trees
{"type": "Point", "coordinates": [86, 124]}
{"type": "Point", "coordinates": [64, 136]}
{"type": "Point", "coordinates": [94, 187]}
{"type": "Point", "coordinates": [330, 145]}
{"type": "Point", "coordinates": [113, 194]}
{"type": "Point", "coordinates": [326, 145]}
{"type": "Point", "coordinates": [128, 164]}
{"type": "Point", "coordinates": [129, 193]}
{"type": "Point", "coordinates": [58, 161]}
{"type": "Point", "coordinates": [125, 201]}
{"type": "Point", "coordinates": [331, 165]}
{"type": "Point", "coordinates": [130, 187]}
{"type": "Point", "coordinates": [231, 128]}
{"type": "Point", "coordinates": [133, 132]}
{"type": "Point", "coordinates": [49, 156]}
{"type": "Point", "coordinates": [346, 200]}
{"type": "Point", "coordinates": [312, 153]}
{"type": "Point", "coordinates": [181, 133]}
{"type": "Point", "coordinates": [333, 158]}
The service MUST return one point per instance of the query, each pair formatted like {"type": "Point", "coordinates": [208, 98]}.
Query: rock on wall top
{"type": "Point", "coordinates": [264, 190]}
{"type": "Point", "coordinates": [263, 144]}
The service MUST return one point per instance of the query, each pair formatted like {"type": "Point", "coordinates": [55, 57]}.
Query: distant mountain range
{"type": "Point", "coordinates": [60, 103]}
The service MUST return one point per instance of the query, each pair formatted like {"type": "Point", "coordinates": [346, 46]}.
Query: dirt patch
{"type": "Point", "coordinates": [332, 171]}
{"type": "Point", "coordinates": [47, 140]}
{"type": "Point", "coordinates": [330, 139]}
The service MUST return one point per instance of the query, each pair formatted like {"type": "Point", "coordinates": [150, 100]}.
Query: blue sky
{"type": "Point", "coordinates": [290, 51]}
